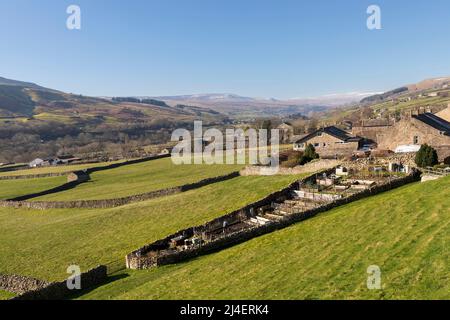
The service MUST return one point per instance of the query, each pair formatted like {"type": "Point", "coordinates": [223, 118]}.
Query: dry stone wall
{"type": "Point", "coordinates": [313, 166]}
{"type": "Point", "coordinates": [138, 260]}
{"type": "Point", "coordinates": [89, 170]}
{"type": "Point", "coordinates": [34, 176]}
{"type": "Point", "coordinates": [111, 203]}
{"type": "Point", "coordinates": [20, 284]}
{"type": "Point", "coordinates": [126, 163]}
{"type": "Point", "coordinates": [134, 260]}
{"type": "Point", "coordinates": [72, 183]}
{"type": "Point", "coordinates": [362, 163]}
{"type": "Point", "coordinates": [59, 290]}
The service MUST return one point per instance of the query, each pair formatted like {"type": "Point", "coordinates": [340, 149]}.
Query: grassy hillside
{"type": "Point", "coordinates": [83, 110]}
{"type": "Point", "coordinates": [38, 122]}
{"type": "Point", "coordinates": [44, 243]}
{"type": "Point", "coordinates": [394, 105]}
{"type": "Point", "coordinates": [15, 100]}
{"type": "Point", "coordinates": [400, 105]}
{"type": "Point", "coordinates": [13, 188]}
{"type": "Point", "coordinates": [56, 169]}
{"type": "Point", "coordinates": [406, 232]}
{"type": "Point", "coordinates": [140, 178]}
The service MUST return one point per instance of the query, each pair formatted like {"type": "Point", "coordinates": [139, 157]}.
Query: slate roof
{"type": "Point", "coordinates": [434, 121]}
{"type": "Point", "coordinates": [333, 131]}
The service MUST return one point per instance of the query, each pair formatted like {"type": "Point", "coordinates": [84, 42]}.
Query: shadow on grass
{"type": "Point", "coordinates": [61, 188]}
{"type": "Point", "coordinates": [109, 279]}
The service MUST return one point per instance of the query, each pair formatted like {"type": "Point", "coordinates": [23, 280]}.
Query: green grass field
{"type": "Point", "coordinates": [4, 295]}
{"type": "Point", "coordinates": [140, 178]}
{"type": "Point", "coordinates": [13, 188]}
{"type": "Point", "coordinates": [43, 244]}
{"type": "Point", "coordinates": [56, 169]}
{"type": "Point", "coordinates": [406, 232]}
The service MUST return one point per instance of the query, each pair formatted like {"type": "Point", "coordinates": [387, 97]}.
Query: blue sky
{"type": "Point", "coordinates": [281, 49]}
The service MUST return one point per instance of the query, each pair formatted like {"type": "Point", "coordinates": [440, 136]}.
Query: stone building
{"type": "Point", "coordinates": [38, 162]}
{"type": "Point", "coordinates": [286, 131]}
{"type": "Point", "coordinates": [417, 129]}
{"type": "Point", "coordinates": [330, 142]}
{"type": "Point", "coordinates": [371, 129]}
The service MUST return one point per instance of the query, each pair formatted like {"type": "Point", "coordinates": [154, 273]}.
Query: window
{"type": "Point", "coordinates": [416, 140]}
{"type": "Point", "coordinates": [316, 144]}
{"type": "Point", "coordinates": [324, 144]}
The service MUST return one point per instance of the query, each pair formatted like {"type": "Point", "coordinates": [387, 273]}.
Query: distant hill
{"type": "Point", "coordinates": [428, 94]}
{"type": "Point", "coordinates": [41, 122]}
{"type": "Point", "coordinates": [14, 100]}
{"type": "Point", "coordinates": [425, 85]}
{"type": "Point", "coordinates": [434, 83]}
{"type": "Point", "coordinates": [384, 96]}
{"type": "Point", "coordinates": [247, 107]}
{"type": "Point", "coordinates": [25, 99]}
{"type": "Point", "coordinates": [9, 82]}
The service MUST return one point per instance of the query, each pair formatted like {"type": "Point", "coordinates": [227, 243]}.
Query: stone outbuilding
{"type": "Point", "coordinates": [38, 162]}
{"type": "Point", "coordinates": [330, 142]}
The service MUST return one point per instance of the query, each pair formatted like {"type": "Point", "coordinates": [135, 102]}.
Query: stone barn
{"type": "Point", "coordinates": [38, 162]}
{"type": "Point", "coordinates": [286, 131]}
{"type": "Point", "coordinates": [330, 142]}
{"type": "Point", "coordinates": [417, 129]}
{"type": "Point", "coordinates": [372, 129]}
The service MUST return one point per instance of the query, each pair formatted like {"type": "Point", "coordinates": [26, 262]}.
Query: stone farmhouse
{"type": "Point", "coordinates": [330, 142]}
{"type": "Point", "coordinates": [415, 130]}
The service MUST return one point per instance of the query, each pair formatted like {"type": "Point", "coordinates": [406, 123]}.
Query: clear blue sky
{"type": "Point", "coordinates": [261, 48]}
